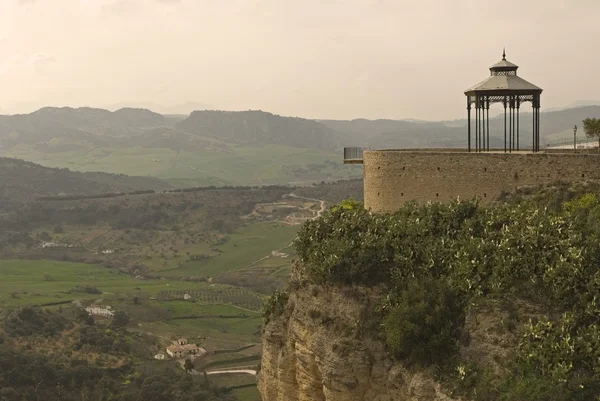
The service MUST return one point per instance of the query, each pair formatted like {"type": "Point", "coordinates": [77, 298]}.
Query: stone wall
{"type": "Point", "coordinates": [393, 177]}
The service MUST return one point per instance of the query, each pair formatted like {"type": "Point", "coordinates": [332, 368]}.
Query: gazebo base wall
{"type": "Point", "coordinates": [394, 177]}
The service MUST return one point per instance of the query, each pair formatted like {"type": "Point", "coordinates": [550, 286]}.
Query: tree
{"type": "Point", "coordinates": [188, 365]}
{"type": "Point", "coordinates": [120, 320]}
{"type": "Point", "coordinates": [84, 317]}
{"type": "Point", "coordinates": [591, 126]}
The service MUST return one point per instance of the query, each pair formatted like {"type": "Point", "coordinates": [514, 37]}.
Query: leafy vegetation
{"type": "Point", "coordinates": [422, 325]}
{"type": "Point", "coordinates": [275, 305]}
{"type": "Point", "coordinates": [591, 126]}
{"type": "Point", "coordinates": [437, 259]}
{"type": "Point", "coordinates": [29, 321]}
{"type": "Point", "coordinates": [33, 369]}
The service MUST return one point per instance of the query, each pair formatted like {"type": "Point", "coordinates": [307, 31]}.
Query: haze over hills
{"type": "Point", "coordinates": [178, 109]}
{"type": "Point", "coordinates": [236, 148]}
{"type": "Point", "coordinates": [261, 128]}
{"type": "Point", "coordinates": [555, 126]}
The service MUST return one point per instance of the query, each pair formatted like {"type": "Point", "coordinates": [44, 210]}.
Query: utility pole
{"type": "Point", "coordinates": [575, 137]}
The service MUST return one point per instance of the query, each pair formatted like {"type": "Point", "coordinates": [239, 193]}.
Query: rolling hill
{"type": "Point", "coordinates": [258, 127]}
{"type": "Point", "coordinates": [237, 148]}
{"type": "Point", "coordinates": [22, 181]}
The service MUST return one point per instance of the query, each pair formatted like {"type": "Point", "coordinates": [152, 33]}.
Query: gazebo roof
{"type": "Point", "coordinates": [504, 64]}
{"type": "Point", "coordinates": [503, 81]}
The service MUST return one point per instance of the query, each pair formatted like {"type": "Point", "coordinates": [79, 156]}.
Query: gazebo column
{"type": "Point", "coordinates": [483, 123]}
{"type": "Point", "coordinates": [504, 124]}
{"type": "Point", "coordinates": [518, 107]}
{"type": "Point", "coordinates": [537, 124]}
{"type": "Point", "coordinates": [469, 120]}
{"type": "Point", "coordinates": [487, 107]}
{"type": "Point", "coordinates": [514, 134]}
{"type": "Point", "coordinates": [479, 123]}
{"type": "Point", "coordinates": [533, 147]}
{"type": "Point", "coordinates": [510, 145]}
{"type": "Point", "coordinates": [476, 125]}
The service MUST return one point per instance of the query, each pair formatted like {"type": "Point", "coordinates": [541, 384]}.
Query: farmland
{"type": "Point", "coordinates": [196, 264]}
{"type": "Point", "coordinates": [245, 246]}
{"type": "Point", "coordinates": [42, 282]}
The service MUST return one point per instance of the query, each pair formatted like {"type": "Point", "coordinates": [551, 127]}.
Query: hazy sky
{"type": "Point", "coordinates": [308, 58]}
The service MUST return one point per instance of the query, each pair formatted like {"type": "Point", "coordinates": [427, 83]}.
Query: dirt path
{"type": "Point", "coordinates": [320, 212]}
{"type": "Point", "coordinates": [316, 216]}
{"type": "Point", "coordinates": [232, 372]}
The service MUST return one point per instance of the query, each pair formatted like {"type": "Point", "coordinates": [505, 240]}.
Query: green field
{"type": "Point", "coordinates": [237, 165]}
{"type": "Point", "coordinates": [27, 282]}
{"type": "Point", "coordinates": [247, 245]}
{"type": "Point", "coordinates": [45, 281]}
{"type": "Point", "coordinates": [180, 309]}
{"type": "Point", "coordinates": [247, 394]}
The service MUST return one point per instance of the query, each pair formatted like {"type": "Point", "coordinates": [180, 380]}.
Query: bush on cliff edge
{"type": "Point", "coordinates": [523, 248]}
{"type": "Point", "coordinates": [423, 324]}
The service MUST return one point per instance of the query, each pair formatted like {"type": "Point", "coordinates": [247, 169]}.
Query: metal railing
{"type": "Point", "coordinates": [353, 154]}
{"type": "Point", "coordinates": [581, 143]}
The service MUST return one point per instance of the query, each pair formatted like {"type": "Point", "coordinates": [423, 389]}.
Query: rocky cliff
{"type": "Point", "coordinates": [441, 302]}
{"type": "Point", "coordinates": [321, 349]}
{"type": "Point", "coordinates": [325, 346]}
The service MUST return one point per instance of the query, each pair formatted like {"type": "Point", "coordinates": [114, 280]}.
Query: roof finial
{"type": "Point", "coordinates": [504, 54]}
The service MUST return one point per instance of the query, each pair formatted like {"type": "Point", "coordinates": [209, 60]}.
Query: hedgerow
{"type": "Point", "coordinates": [522, 247]}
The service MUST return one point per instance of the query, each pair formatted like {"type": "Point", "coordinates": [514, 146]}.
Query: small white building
{"type": "Point", "coordinates": [180, 351]}
{"type": "Point", "coordinates": [100, 311]}
{"type": "Point", "coordinates": [159, 357]}
{"type": "Point", "coordinates": [181, 341]}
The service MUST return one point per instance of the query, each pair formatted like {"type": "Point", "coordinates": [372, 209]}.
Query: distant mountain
{"type": "Point", "coordinates": [579, 103]}
{"type": "Point", "coordinates": [380, 134]}
{"type": "Point", "coordinates": [183, 108]}
{"type": "Point", "coordinates": [22, 181]}
{"type": "Point", "coordinates": [51, 130]}
{"type": "Point", "coordinates": [258, 127]}
{"type": "Point", "coordinates": [81, 124]}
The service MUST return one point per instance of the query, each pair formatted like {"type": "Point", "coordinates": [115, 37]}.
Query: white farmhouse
{"type": "Point", "coordinates": [99, 311]}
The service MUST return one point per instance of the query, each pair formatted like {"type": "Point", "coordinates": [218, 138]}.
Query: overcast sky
{"type": "Point", "coordinates": [310, 58]}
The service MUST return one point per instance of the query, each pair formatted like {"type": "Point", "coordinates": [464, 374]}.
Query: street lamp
{"type": "Point", "coordinates": [575, 137]}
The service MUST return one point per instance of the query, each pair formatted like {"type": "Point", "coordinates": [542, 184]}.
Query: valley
{"type": "Point", "coordinates": [183, 226]}
{"type": "Point", "coordinates": [195, 263]}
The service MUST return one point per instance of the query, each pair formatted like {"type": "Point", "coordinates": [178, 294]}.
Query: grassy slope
{"type": "Point", "coordinates": [245, 246]}
{"type": "Point", "coordinates": [242, 165]}
{"type": "Point", "coordinates": [28, 275]}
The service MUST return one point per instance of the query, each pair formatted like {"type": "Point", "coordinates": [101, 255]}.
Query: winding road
{"type": "Point", "coordinates": [316, 216]}
{"type": "Point", "coordinates": [232, 372]}
{"type": "Point", "coordinates": [320, 212]}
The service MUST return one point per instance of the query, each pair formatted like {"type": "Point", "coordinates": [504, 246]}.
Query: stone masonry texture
{"type": "Point", "coordinates": [393, 177]}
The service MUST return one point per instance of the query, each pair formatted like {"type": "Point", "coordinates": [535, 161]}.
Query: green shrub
{"type": "Point", "coordinates": [275, 305]}
{"type": "Point", "coordinates": [423, 324]}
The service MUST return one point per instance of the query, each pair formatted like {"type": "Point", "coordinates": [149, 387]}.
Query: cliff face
{"type": "Point", "coordinates": [315, 351]}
